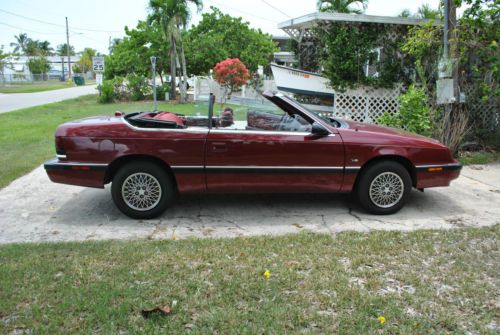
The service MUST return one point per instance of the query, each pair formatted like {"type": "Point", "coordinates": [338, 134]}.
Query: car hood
{"type": "Point", "coordinates": [373, 128]}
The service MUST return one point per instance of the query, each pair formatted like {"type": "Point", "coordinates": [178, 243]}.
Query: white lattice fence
{"type": "Point", "coordinates": [485, 115]}
{"type": "Point", "coordinates": [366, 104]}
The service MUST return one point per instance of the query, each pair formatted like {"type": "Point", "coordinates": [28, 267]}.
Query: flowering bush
{"type": "Point", "coordinates": [231, 74]}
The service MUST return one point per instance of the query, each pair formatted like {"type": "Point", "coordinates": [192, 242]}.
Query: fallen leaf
{"type": "Point", "coordinates": [292, 263]}
{"type": "Point", "coordinates": [162, 310]}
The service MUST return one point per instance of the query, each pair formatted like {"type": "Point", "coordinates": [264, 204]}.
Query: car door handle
{"type": "Point", "coordinates": [219, 147]}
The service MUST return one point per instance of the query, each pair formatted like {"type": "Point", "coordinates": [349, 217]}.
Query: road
{"type": "Point", "coordinates": [32, 209]}
{"type": "Point", "coordinates": [14, 101]}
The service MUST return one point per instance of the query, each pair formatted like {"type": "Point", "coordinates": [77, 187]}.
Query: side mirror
{"type": "Point", "coordinates": [319, 130]}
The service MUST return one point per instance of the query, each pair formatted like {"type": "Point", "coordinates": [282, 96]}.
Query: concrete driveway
{"type": "Point", "coordinates": [32, 209]}
{"type": "Point", "coordinates": [13, 101]}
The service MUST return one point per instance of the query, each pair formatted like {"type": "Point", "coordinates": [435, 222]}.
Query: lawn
{"type": "Point", "coordinates": [27, 135]}
{"type": "Point", "coordinates": [425, 282]}
{"type": "Point", "coordinates": [479, 157]}
{"type": "Point", "coordinates": [39, 86]}
{"type": "Point", "coordinates": [35, 87]}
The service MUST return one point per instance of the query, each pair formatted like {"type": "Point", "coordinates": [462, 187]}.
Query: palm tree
{"type": "Point", "coordinates": [21, 43]}
{"type": "Point", "coordinates": [405, 13]}
{"type": "Point", "coordinates": [62, 50]}
{"type": "Point", "coordinates": [427, 12]}
{"type": "Point", "coordinates": [173, 16]}
{"type": "Point", "coordinates": [45, 48]}
{"type": "Point", "coordinates": [341, 6]}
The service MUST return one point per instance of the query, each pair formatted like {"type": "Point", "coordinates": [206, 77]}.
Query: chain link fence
{"type": "Point", "coordinates": [23, 78]}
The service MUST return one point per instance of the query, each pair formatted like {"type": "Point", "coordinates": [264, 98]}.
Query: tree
{"type": "Point", "coordinates": [232, 37]}
{"type": "Point", "coordinates": [85, 63]}
{"type": "Point", "coordinates": [427, 12]}
{"type": "Point", "coordinates": [231, 74]}
{"type": "Point", "coordinates": [131, 55]}
{"type": "Point", "coordinates": [4, 62]}
{"type": "Point", "coordinates": [38, 65]}
{"type": "Point", "coordinates": [423, 12]}
{"type": "Point", "coordinates": [20, 43]}
{"type": "Point", "coordinates": [62, 50]}
{"type": "Point", "coordinates": [405, 13]}
{"type": "Point", "coordinates": [173, 16]}
{"type": "Point", "coordinates": [342, 6]}
{"type": "Point", "coordinates": [478, 67]}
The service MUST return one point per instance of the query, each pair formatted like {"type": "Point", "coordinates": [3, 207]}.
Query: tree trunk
{"type": "Point", "coordinates": [173, 54]}
{"type": "Point", "coordinates": [183, 84]}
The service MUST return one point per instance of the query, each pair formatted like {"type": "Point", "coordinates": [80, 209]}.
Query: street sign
{"type": "Point", "coordinates": [98, 64]}
{"type": "Point", "coordinates": [98, 78]}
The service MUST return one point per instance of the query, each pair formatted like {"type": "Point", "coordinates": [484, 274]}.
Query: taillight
{"type": "Point", "coordinates": [60, 146]}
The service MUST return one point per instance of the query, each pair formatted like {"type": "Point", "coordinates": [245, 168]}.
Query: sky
{"type": "Point", "coordinates": [93, 22]}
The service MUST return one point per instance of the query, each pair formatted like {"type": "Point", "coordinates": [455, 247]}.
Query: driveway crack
{"type": "Point", "coordinates": [324, 224]}
{"type": "Point", "coordinates": [479, 181]}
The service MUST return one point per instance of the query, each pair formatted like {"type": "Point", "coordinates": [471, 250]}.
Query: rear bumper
{"type": "Point", "coordinates": [76, 173]}
{"type": "Point", "coordinates": [437, 175]}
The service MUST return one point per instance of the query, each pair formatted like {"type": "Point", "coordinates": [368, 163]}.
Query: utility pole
{"type": "Point", "coordinates": [447, 84]}
{"type": "Point", "coordinates": [69, 49]}
{"type": "Point", "coordinates": [452, 35]}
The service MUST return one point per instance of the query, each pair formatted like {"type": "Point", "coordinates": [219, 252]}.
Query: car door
{"type": "Point", "coordinates": [272, 152]}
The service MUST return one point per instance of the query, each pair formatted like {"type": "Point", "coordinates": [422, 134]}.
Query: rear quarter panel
{"type": "Point", "coordinates": [105, 142]}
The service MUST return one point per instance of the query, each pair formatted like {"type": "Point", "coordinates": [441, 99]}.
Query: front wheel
{"type": "Point", "coordinates": [142, 190]}
{"type": "Point", "coordinates": [384, 187]}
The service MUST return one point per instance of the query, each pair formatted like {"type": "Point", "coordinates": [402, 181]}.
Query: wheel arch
{"type": "Point", "coordinates": [122, 160]}
{"type": "Point", "coordinates": [409, 166]}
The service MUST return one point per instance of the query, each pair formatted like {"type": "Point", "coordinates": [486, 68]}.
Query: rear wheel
{"type": "Point", "coordinates": [384, 187]}
{"type": "Point", "coordinates": [142, 190]}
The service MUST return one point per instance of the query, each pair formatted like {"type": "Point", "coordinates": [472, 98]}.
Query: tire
{"type": "Point", "coordinates": [384, 187]}
{"type": "Point", "coordinates": [142, 190]}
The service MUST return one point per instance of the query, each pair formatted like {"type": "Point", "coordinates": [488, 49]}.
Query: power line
{"type": "Point", "coordinates": [29, 30]}
{"type": "Point", "coordinates": [58, 25]}
{"type": "Point", "coordinates": [276, 9]}
{"type": "Point", "coordinates": [241, 11]}
{"type": "Point", "coordinates": [89, 38]}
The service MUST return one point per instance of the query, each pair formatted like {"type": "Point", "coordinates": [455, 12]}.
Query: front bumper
{"type": "Point", "coordinates": [437, 175]}
{"type": "Point", "coordinates": [76, 173]}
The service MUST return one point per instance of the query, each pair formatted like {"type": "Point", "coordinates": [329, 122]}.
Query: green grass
{"type": "Point", "coordinates": [425, 282]}
{"type": "Point", "coordinates": [35, 87]}
{"type": "Point", "coordinates": [479, 157]}
{"type": "Point", "coordinates": [27, 135]}
{"type": "Point", "coordinates": [39, 86]}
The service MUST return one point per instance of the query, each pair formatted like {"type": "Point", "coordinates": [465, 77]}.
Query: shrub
{"type": "Point", "coordinates": [114, 90]}
{"type": "Point", "coordinates": [161, 90]}
{"type": "Point", "coordinates": [138, 87]}
{"type": "Point", "coordinates": [231, 74]}
{"type": "Point", "coordinates": [413, 115]}
{"type": "Point", "coordinates": [38, 65]}
{"type": "Point", "coordinates": [107, 93]}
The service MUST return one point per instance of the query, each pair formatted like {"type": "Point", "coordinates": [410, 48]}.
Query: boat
{"type": "Point", "coordinates": [301, 82]}
{"type": "Point", "coordinates": [310, 88]}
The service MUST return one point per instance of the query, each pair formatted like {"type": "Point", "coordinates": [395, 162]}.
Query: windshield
{"type": "Point", "coordinates": [323, 116]}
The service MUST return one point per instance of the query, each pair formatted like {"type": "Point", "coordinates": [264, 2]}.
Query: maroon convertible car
{"type": "Point", "coordinates": [281, 147]}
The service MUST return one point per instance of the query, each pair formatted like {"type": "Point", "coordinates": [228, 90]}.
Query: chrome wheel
{"type": "Point", "coordinates": [386, 189]}
{"type": "Point", "coordinates": [141, 191]}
